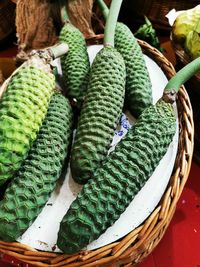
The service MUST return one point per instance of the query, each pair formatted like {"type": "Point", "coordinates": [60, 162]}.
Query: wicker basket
{"type": "Point", "coordinates": [135, 246]}
{"type": "Point", "coordinates": [155, 10]}
{"type": "Point", "coordinates": [192, 87]}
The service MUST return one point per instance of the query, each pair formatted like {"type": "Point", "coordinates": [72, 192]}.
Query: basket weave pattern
{"type": "Point", "coordinates": [192, 87]}
{"type": "Point", "coordinates": [155, 10]}
{"type": "Point", "coordinates": [135, 246]}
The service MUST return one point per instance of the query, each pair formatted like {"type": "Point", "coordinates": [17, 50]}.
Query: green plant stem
{"type": "Point", "coordinates": [103, 7]}
{"type": "Point", "coordinates": [183, 75]}
{"type": "Point", "coordinates": [111, 22]}
{"type": "Point", "coordinates": [64, 13]}
{"type": "Point", "coordinates": [59, 50]}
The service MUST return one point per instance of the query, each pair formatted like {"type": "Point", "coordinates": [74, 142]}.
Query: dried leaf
{"type": "Point", "coordinates": [34, 22]}
{"type": "Point", "coordinates": [80, 13]}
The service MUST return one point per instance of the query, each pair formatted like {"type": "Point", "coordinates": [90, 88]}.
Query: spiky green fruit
{"type": "Point", "coordinates": [138, 84]}
{"type": "Point", "coordinates": [22, 110]}
{"type": "Point", "coordinates": [75, 64]}
{"type": "Point", "coordinates": [122, 175]}
{"type": "Point", "coordinates": [100, 114]}
{"type": "Point", "coordinates": [36, 179]}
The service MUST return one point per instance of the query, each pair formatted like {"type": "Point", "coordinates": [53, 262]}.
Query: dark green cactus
{"type": "Point", "coordinates": [138, 84]}
{"type": "Point", "coordinates": [119, 179]}
{"type": "Point", "coordinates": [36, 179]}
{"type": "Point", "coordinates": [75, 64]}
{"type": "Point", "coordinates": [100, 114]}
{"type": "Point", "coordinates": [22, 110]}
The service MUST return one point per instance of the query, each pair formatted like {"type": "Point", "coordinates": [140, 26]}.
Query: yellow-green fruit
{"type": "Point", "coordinates": [184, 23]}
{"type": "Point", "coordinates": [192, 42]}
{"type": "Point", "coordinates": [22, 110]}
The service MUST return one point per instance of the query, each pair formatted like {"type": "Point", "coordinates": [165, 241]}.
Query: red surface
{"type": "Point", "coordinates": [180, 246]}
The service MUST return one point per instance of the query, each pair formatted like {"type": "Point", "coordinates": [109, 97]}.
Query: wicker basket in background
{"type": "Point", "coordinates": [133, 12]}
{"type": "Point", "coordinates": [135, 246]}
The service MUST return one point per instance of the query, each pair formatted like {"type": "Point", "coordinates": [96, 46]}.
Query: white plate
{"type": "Point", "coordinates": [42, 234]}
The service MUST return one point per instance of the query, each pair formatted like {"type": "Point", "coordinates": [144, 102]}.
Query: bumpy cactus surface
{"type": "Point", "coordinates": [100, 114]}
{"type": "Point", "coordinates": [123, 174]}
{"type": "Point", "coordinates": [138, 84]}
{"type": "Point", "coordinates": [75, 64]}
{"type": "Point", "coordinates": [22, 110]}
{"type": "Point", "coordinates": [36, 179]}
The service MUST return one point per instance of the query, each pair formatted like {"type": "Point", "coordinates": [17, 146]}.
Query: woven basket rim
{"type": "Point", "coordinates": [136, 245]}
